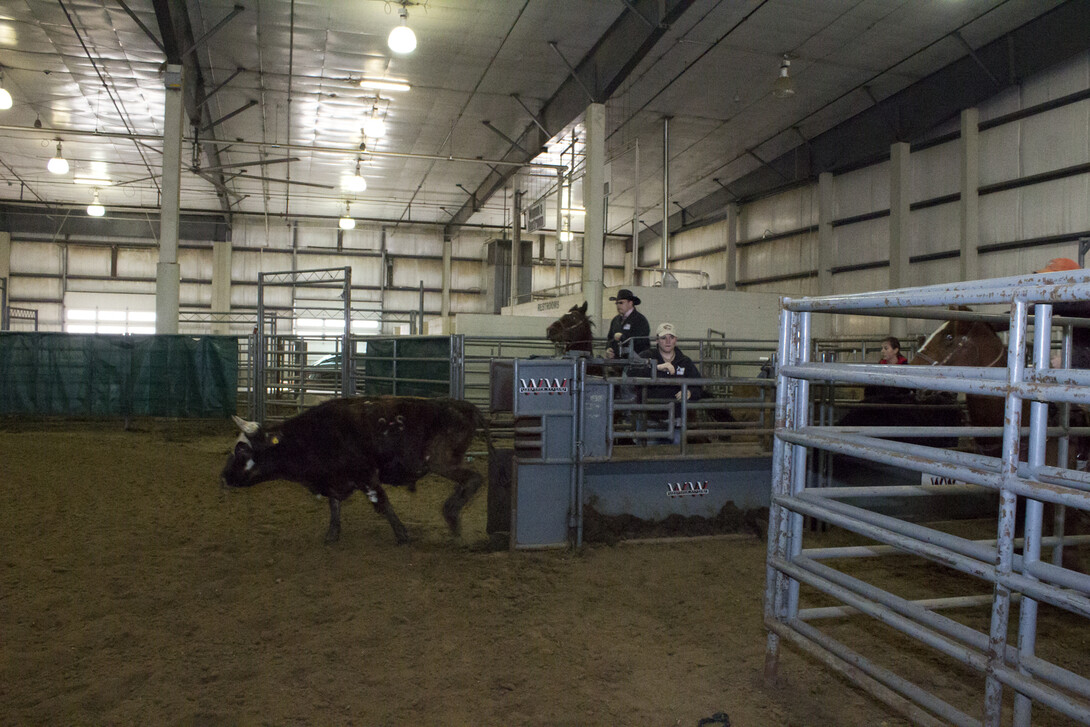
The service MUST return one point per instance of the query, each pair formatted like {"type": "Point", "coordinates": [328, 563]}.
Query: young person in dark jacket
{"type": "Point", "coordinates": [671, 363]}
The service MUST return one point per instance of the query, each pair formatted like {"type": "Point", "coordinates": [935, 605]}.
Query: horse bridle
{"type": "Point", "coordinates": [964, 338]}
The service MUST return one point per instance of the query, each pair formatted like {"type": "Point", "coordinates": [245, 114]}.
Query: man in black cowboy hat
{"type": "Point", "coordinates": [629, 330]}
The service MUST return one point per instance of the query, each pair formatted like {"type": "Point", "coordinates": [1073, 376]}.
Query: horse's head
{"type": "Point", "coordinates": [962, 343]}
{"type": "Point", "coordinates": [572, 330]}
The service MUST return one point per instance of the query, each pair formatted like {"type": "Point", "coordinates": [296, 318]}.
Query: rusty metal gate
{"type": "Point", "coordinates": [1008, 585]}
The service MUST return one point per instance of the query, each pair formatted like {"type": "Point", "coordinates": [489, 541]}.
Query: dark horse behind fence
{"type": "Point", "coordinates": [573, 331]}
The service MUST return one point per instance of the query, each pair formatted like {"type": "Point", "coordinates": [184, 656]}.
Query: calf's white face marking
{"type": "Point", "coordinates": [243, 439]}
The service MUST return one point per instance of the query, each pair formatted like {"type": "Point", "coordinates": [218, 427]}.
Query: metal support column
{"type": "Point", "coordinates": [969, 204]}
{"type": "Point", "coordinates": [900, 186]}
{"type": "Point", "coordinates": [167, 274]}
{"type": "Point", "coordinates": [594, 204]}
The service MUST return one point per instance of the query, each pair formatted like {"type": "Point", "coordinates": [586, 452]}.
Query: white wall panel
{"type": "Point", "coordinates": [935, 229]}
{"type": "Point", "coordinates": [1056, 82]}
{"type": "Point", "coordinates": [861, 191]}
{"type": "Point", "coordinates": [197, 264]}
{"type": "Point", "coordinates": [1055, 207]}
{"type": "Point", "coordinates": [277, 236]}
{"type": "Point", "coordinates": [88, 260]}
{"type": "Point", "coordinates": [1007, 101]}
{"type": "Point", "coordinates": [140, 262]}
{"type": "Point", "coordinates": [779, 213]}
{"type": "Point", "coordinates": [37, 257]}
{"type": "Point", "coordinates": [935, 172]}
{"type": "Point", "coordinates": [776, 257]}
{"type": "Point", "coordinates": [861, 242]}
{"type": "Point", "coordinates": [699, 239]}
{"type": "Point", "coordinates": [1000, 217]}
{"type": "Point", "coordinates": [1055, 139]}
{"type": "Point", "coordinates": [1000, 160]}
{"type": "Point", "coordinates": [800, 287]}
{"type": "Point", "coordinates": [33, 289]}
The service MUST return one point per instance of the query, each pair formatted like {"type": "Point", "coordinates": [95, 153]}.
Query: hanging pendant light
{"type": "Point", "coordinates": [346, 222]}
{"type": "Point", "coordinates": [356, 183]}
{"type": "Point", "coordinates": [58, 164]}
{"type": "Point", "coordinates": [402, 39]}
{"type": "Point", "coordinates": [374, 127]}
{"type": "Point", "coordinates": [784, 85]}
{"type": "Point", "coordinates": [5, 97]}
{"type": "Point", "coordinates": [95, 209]}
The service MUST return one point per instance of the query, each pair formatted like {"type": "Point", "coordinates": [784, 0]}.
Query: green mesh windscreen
{"type": "Point", "coordinates": [103, 375]}
{"type": "Point", "coordinates": [421, 366]}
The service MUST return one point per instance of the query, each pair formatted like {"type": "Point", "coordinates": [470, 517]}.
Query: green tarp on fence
{"type": "Point", "coordinates": [408, 366]}
{"type": "Point", "coordinates": [103, 375]}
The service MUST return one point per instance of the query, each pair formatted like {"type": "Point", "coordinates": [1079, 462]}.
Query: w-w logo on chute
{"type": "Point", "coordinates": [543, 386]}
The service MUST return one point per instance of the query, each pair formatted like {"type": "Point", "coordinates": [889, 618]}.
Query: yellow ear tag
{"type": "Point", "coordinates": [275, 439]}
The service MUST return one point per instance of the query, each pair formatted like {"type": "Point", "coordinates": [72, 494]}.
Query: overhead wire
{"type": "Point", "coordinates": [109, 91]}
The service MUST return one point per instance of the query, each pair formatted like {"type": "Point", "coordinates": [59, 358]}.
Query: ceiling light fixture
{"type": "Point", "coordinates": [784, 85]}
{"type": "Point", "coordinates": [374, 127]}
{"type": "Point", "coordinates": [95, 209]}
{"type": "Point", "coordinates": [356, 183]}
{"type": "Point", "coordinates": [402, 38]}
{"type": "Point", "coordinates": [5, 97]}
{"type": "Point", "coordinates": [379, 84]}
{"type": "Point", "coordinates": [346, 222]}
{"type": "Point", "coordinates": [58, 164]}
{"type": "Point", "coordinates": [94, 181]}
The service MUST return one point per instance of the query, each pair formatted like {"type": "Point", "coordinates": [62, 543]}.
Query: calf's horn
{"type": "Point", "coordinates": [248, 428]}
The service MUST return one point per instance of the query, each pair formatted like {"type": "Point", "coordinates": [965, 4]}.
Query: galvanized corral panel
{"type": "Point", "coordinates": [655, 489]}
{"type": "Point", "coordinates": [36, 257]}
{"type": "Point", "coordinates": [861, 191]}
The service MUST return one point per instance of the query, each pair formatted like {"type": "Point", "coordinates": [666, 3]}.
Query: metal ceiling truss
{"type": "Point", "coordinates": [598, 75]}
{"type": "Point", "coordinates": [178, 43]}
{"type": "Point", "coordinates": [909, 114]}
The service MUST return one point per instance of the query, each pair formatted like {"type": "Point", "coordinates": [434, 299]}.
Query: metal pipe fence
{"type": "Point", "coordinates": [1013, 672]}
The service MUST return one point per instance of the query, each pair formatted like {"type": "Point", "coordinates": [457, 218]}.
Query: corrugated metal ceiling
{"type": "Point", "coordinates": [87, 66]}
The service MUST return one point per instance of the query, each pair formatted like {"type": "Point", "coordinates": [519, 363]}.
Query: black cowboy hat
{"type": "Point", "coordinates": [625, 294]}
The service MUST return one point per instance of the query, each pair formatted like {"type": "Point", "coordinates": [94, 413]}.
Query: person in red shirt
{"type": "Point", "coordinates": [891, 351]}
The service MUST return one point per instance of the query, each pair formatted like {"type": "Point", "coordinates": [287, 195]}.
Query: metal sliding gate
{"type": "Point", "coordinates": [1009, 585]}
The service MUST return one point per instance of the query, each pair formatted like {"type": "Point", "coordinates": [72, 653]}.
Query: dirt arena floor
{"type": "Point", "coordinates": [134, 591]}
